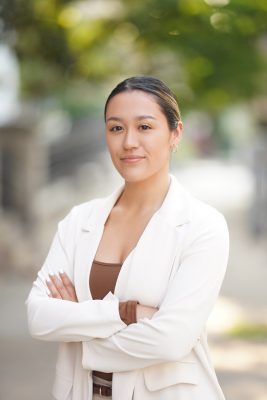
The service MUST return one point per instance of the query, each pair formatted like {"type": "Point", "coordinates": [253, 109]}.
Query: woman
{"type": "Point", "coordinates": [130, 279]}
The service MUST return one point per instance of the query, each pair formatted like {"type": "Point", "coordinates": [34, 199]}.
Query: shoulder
{"type": "Point", "coordinates": [206, 220]}
{"type": "Point", "coordinates": [78, 215]}
{"type": "Point", "coordinates": [190, 211]}
{"type": "Point", "coordinates": [196, 211]}
{"type": "Point", "coordinates": [206, 231]}
{"type": "Point", "coordinates": [202, 211]}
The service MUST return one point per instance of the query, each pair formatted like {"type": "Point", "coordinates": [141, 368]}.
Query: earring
{"type": "Point", "coordinates": [174, 148]}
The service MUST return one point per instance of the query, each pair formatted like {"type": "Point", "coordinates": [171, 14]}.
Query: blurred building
{"type": "Point", "coordinates": [259, 165]}
{"type": "Point", "coordinates": [9, 84]}
{"type": "Point", "coordinates": [41, 154]}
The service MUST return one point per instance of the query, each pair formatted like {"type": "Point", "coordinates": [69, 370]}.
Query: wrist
{"type": "Point", "coordinates": [128, 311]}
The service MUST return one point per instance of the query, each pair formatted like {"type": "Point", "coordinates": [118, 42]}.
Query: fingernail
{"type": "Point", "coordinates": [51, 273]}
{"type": "Point", "coordinates": [48, 279]}
{"type": "Point", "coordinates": [61, 271]}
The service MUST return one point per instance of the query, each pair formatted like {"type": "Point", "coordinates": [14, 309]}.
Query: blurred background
{"type": "Point", "coordinates": [59, 60]}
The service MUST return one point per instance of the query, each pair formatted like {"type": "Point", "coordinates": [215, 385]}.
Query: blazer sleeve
{"type": "Point", "coordinates": [66, 321]}
{"type": "Point", "coordinates": [175, 329]}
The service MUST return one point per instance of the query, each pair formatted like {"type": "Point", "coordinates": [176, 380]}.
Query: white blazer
{"type": "Point", "coordinates": [177, 265]}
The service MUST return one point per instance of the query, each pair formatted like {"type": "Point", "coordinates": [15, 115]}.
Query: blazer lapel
{"type": "Point", "coordinates": [92, 231]}
{"type": "Point", "coordinates": [146, 275]}
{"type": "Point", "coordinates": [150, 264]}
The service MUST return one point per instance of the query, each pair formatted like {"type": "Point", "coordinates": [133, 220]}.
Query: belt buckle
{"type": "Point", "coordinates": [100, 390]}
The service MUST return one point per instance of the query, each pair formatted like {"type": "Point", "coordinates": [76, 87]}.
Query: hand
{"type": "Point", "coordinates": [61, 287]}
{"type": "Point", "coordinates": [145, 311]}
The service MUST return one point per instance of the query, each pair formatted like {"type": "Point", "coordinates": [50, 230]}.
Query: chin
{"type": "Point", "coordinates": [134, 176]}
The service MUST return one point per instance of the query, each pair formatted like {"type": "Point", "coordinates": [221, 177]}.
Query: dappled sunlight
{"type": "Point", "coordinates": [239, 355]}
{"type": "Point", "coordinates": [225, 315]}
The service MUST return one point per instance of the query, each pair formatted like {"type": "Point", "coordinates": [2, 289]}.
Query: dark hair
{"type": "Point", "coordinates": [163, 96]}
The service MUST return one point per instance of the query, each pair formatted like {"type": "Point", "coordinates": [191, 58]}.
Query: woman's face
{"type": "Point", "coordinates": [138, 136]}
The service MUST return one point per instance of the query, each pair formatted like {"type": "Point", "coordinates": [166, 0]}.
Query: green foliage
{"type": "Point", "coordinates": [210, 52]}
{"type": "Point", "coordinates": [248, 331]}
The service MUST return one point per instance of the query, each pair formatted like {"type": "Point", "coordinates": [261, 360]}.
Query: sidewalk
{"type": "Point", "coordinates": [27, 365]}
{"type": "Point", "coordinates": [241, 365]}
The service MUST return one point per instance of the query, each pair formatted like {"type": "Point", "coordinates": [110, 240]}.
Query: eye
{"type": "Point", "coordinates": [144, 127]}
{"type": "Point", "coordinates": [116, 128]}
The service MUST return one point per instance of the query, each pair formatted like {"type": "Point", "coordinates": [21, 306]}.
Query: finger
{"type": "Point", "coordinates": [59, 286]}
{"type": "Point", "coordinates": [68, 284]}
{"type": "Point", "coordinates": [53, 289]}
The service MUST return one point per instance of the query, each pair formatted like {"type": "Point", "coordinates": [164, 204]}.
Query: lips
{"type": "Point", "coordinates": [132, 158]}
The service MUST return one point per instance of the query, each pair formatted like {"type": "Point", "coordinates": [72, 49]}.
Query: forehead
{"type": "Point", "coordinates": [133, 103]}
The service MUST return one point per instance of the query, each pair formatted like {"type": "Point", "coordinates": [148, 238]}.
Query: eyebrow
{"type": "Point", "coordinates": [139, 118]}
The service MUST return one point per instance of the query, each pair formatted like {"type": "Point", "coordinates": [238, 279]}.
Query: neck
{"type": "Point", "coordinates": [145, 195]}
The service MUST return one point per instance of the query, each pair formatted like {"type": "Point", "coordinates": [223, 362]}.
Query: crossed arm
{"type": "Point", "coordinates": [58, 316]}
{"type": "Point", "coordinates": [60, 287]}
{"type": "Point", "coordinates": [175, 328]}
{"type": "Point", "coordinates": [109, 344]}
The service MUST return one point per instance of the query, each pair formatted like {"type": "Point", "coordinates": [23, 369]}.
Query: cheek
{"type": "Point", "coordinates": [160, 144]}
{"type": "Point", "coordinates": [111, 144]}
{"type": "Point", "coordinates": [113, 148]}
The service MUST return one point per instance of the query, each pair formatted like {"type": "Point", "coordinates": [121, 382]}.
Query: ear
{"type": "Point", "coordinates": [177, 134]}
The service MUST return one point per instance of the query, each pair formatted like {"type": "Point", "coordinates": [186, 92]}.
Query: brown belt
{"type": "Point", "coordinates": [102, 390]}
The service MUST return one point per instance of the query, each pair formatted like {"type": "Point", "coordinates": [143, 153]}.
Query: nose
{"type": "Point", "coordinates": [131, 139]}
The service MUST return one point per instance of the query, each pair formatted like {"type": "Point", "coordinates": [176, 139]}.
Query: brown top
{"type": "Point", "coordinates": [102, 280]}
{"type": "Point", "coordinates": [103, 277]}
